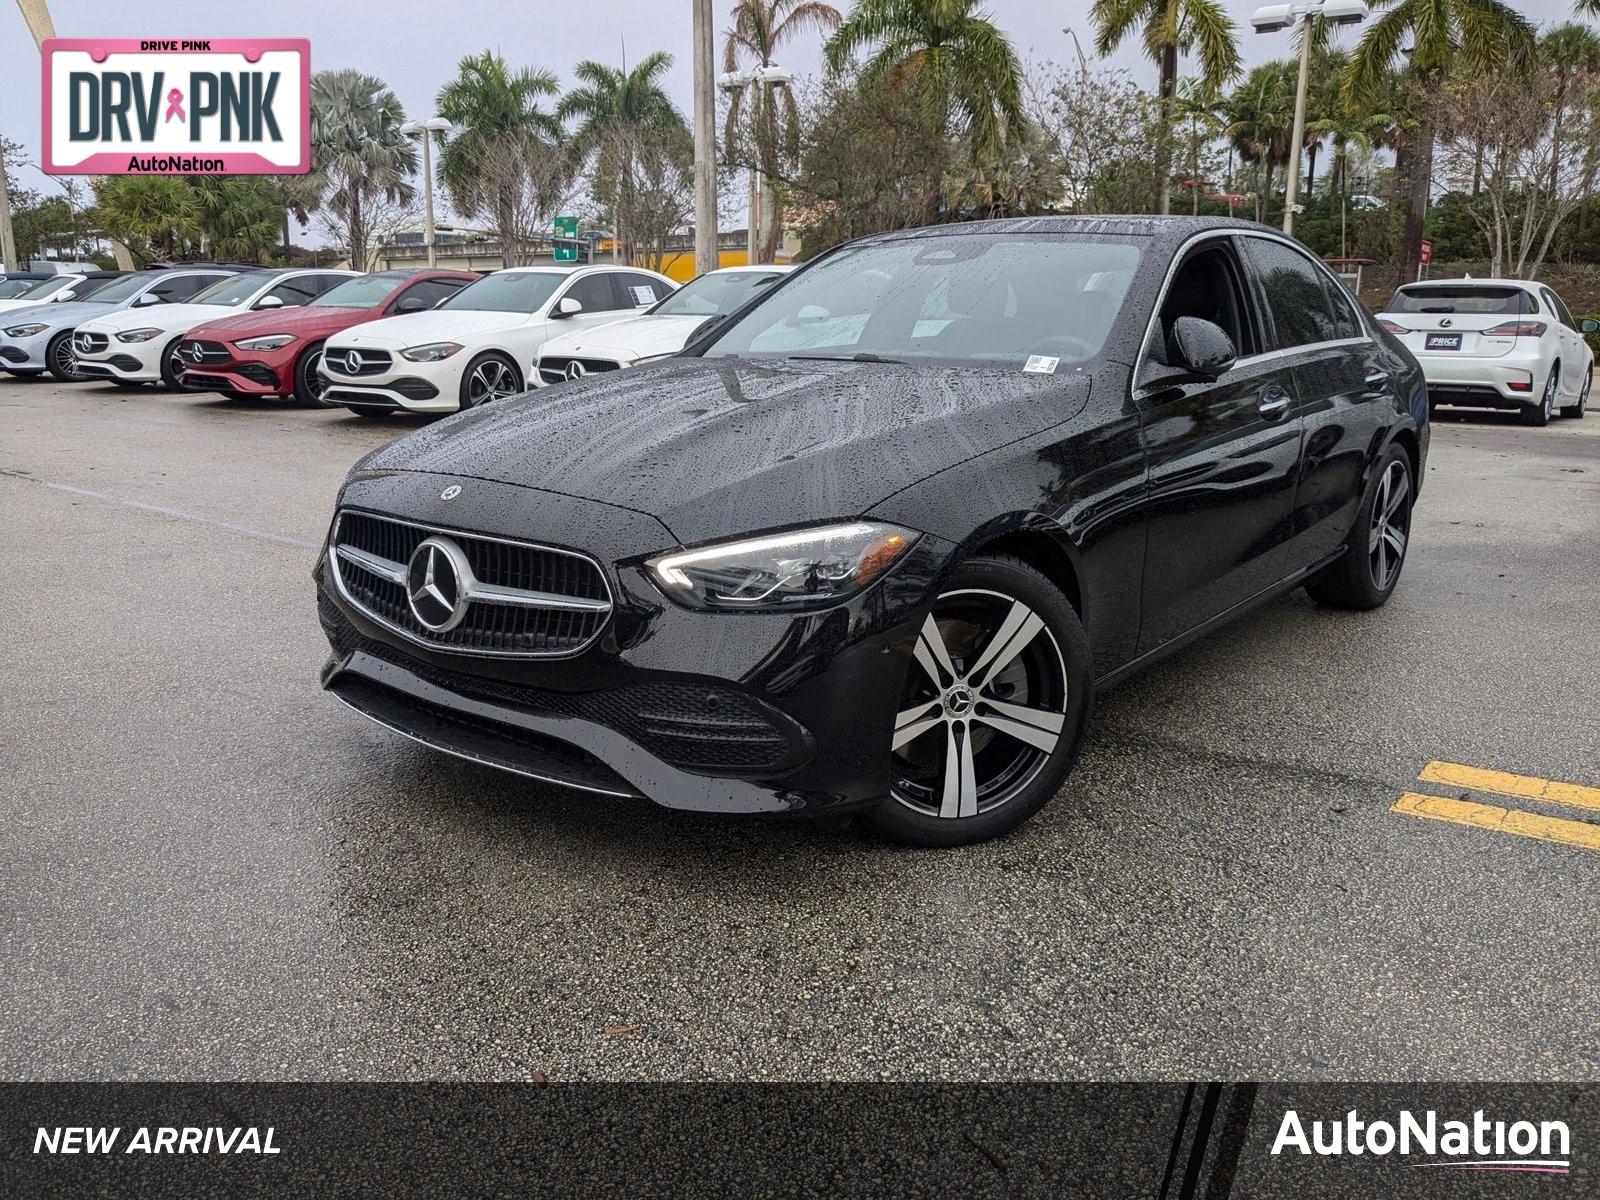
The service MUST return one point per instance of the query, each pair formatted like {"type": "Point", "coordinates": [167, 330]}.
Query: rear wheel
{"type": "Point", "coordinates": [172, 366]}
{"type": "Point", "coordinates": [310, 387]}
{"type": "Point", "coordinates": [60, 360]}
{"type": "Point", "coordinates": [1540, 414]}
{"type": "Point", "coordinates": [994, 708]}
{"type": "Point", "coordinates": [1576, 410]}
{"type": "Point", "coordinates": [1366, 575]}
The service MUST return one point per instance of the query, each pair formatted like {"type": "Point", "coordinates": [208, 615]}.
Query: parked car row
{"type": "Point", "coordinates": [420, 340]}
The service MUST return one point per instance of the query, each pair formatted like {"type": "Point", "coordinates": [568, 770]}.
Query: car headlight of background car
{"type": "Point", "coordinates": [432, 352]}
{"type": "Point", "coordinates": [269, 341]}
{"type": "Point", "coordinates": [786, 570]}
{"type": "Point", "coordinates": [138, 335]}
{"type": "Point", "coordinates": [25, 330]}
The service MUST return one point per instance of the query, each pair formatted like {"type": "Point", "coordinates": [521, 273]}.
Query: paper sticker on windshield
{"type": "Point", "coordinates": [1040, 364]}
{"type": "Point", "coordinates": [643, 295]}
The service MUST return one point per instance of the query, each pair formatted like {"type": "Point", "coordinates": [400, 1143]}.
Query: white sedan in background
{"type": "Point", "coordinates": [140, 344]}
{"type": "Point", "coordinates": [1495, 343]}
{"type": "Point", "coordinates": [466, 351]}
{"type": "Point", "coordinates": [662, 330]}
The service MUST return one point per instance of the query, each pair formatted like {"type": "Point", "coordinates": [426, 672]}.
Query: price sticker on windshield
{"type": "Point", "coordinates": [209, 106]}
{"type": "Point", "coordinates": [1041, 364]}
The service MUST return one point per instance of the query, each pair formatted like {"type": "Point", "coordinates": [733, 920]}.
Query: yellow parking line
{"type": "Point", "coordinates": [1502, 820]}
{"type": "Point", "coordinates": [1525, 787]}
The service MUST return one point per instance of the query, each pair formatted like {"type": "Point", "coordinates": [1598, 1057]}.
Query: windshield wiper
{"type": "Point", "coordinates": [862, 356]}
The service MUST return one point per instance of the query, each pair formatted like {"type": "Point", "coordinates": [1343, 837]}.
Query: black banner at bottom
{"type": "Point", "coordinates": [1164, 1141]}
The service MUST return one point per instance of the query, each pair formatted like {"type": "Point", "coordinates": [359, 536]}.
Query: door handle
{"type": "Point", "coordinates": [1273, 404]}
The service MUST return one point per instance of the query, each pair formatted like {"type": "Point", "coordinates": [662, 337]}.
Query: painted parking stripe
{"type": "Point", "coordinates": [1501, 820]}
{"type": "Point", "coordinates": [1503, 783]}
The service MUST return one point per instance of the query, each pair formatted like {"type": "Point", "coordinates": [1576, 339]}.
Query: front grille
{"type": "Point", "coordinates": [202, 382]}
{"type": "Point", "coordinates": [357, 362]}
{"type": "Point", "coordinates": [13, 354]}
{"type": "Point", "coordinates": [695, 726]}
{"type": "Point", "coordinates": [538, 628]}
{"type": "Point", "coordinates": [555, 370]}
{"type": "Point", "coordinates": [204, 354]}
{"type": "Point", "coordinates": [124, 362]}
{"type": "Point", "coordinates": [89, 343]}
{"type": "Point", "coordinates": [360, 398]}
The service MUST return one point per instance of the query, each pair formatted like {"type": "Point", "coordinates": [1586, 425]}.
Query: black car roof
{"type": "Point", "coordinates": [1167, 228]}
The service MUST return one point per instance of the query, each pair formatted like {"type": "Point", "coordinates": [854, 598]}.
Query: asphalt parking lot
{"type": "Point", "coordinates": [211, 870]}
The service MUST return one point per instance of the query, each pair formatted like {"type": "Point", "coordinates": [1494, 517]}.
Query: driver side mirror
{"type": "Point", "coordinates": [1589, 325]}
{"type": "Point", "coordinates": [1199, 349]}
{"type": "Point", "coordinates": [410, 304]}
{"type": "Point", "coordinates": [146, 298]}
{"type": "Point", "coordinates": [270, 302]}
{"type": "Point", "coordinates": [568, 307]}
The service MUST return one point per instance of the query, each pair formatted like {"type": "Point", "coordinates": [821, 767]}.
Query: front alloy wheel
{"type": "Point", "coordinates": [993, 708]}
{"type": "Point", "coordinates": [490, 378]}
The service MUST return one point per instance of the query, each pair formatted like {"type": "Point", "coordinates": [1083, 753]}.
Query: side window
{"type": "Point", "coordinates": [325, 283]}
{"type": "Point", "coordinates": [1345, 322]}
{"type": "Point", "coordinates": [430, 291]}
{"type": "Point", "coordinates": [1207, 285]}
{"type": "Point", "coordinates": [639, 291]}
{"type": "Point", "coordinates": [1292, 286]}
{"type": "Point", "coordinates": [595, 293]}
{"type": "Point", "coordinates": [1560, 309]}
{"type": "Point", "coordinates": [180, 287]}
{"type": "Point", "coordinates": [302, 289]}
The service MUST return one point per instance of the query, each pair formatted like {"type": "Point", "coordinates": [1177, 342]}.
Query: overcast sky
{"type": "Point", "coordinates": [415, 45]}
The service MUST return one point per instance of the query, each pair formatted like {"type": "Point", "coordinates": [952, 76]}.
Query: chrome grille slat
{"type": "Point", "coordinates": [529, 601]}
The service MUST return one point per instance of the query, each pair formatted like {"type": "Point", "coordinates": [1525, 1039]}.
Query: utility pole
{"type": "Point", "coordinates": [705, 143]}
{"type": "Point", "coordinates": [37, 14]}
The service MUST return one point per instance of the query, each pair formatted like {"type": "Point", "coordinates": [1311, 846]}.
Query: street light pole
{"type": "Point", "coordinates": [705, 143]}
{"type": "Point", "coordinates": [427, 129]}
{"type": "Point", "coordinates": [1305, 13]}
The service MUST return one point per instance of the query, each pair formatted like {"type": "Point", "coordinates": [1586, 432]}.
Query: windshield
{"type": "Point", "coordinates": [713, 293]}
{"type": "Point", "coordinates": [1459, 298]}
{"type": "Point", "coordinates": [47, 288]}
{"type": "Point", "coordinates": [1023, 301]}
{"type": "Point", "coordinates": [365, 291]}
{"type": "Point", "coordinates": [123, 289]}
{"type": "Point", "coordinates": [507, 291]}
{"type": "Point", "coordinates": [232, 292]}
{"type": "Point", "coordinates": [10, 289]}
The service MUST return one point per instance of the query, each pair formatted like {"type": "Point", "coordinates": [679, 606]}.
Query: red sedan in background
{"type": "Point", "coordinates": [274, 352]}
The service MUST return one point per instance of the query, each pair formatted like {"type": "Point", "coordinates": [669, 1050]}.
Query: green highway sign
{"type": "Point", "coordinates": [566, 239]}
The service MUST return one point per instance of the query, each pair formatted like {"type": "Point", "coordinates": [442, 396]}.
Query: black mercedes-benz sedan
{"type": "Point", "coordinates": [875, 539]}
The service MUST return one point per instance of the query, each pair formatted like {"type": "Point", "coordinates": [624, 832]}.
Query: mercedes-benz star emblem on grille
{"type": "Point", "coordinates": [576, 370]}
{"type": "Point", "coordinates": [433, 584]}
{"type": "Point", "coordinates": [451, 492]}
{"type": "Point", "coordinates": [196, 353]}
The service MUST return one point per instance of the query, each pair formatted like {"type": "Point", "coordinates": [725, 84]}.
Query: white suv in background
{"type": "Point", "coordinates": [140, 344]}
{"type": "Point", "coordinates": [659, 331]}
{"type": "Point", "coordinates": [468, 350]}
{"type": "Point", "coordinates": [1495, 343]}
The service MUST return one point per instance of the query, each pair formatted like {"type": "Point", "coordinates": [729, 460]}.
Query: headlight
{"type": "Point", "coordinates": [25, 330]}
{"type": "Point", "coordinates": [786, 570]}
{"type": "Point", "coordinates": [269, 342]}
{"type": "Point", "coordinates": [138, 335]}
{"type": "Point", "coordinates": [432, 352]}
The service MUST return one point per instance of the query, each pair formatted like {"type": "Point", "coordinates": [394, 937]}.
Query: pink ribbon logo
{"type": "Point", "coordinates": [175, 105]}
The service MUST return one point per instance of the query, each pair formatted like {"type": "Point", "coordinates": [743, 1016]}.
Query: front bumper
{"type": "Point", "coordinates": [136, 362]}
{"type": "Point", "coordinates": [25, 355]}
{"type": "Point", "coordinates": [245, 373]}
{"type": "Point", "coordinates": [712, 712]}
{"type": "Point", "coordinates": [417, 387]}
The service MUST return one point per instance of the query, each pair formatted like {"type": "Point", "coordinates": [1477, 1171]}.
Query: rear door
{"type": "Point", "coordinates": [1573, 357]}
{"type": "Point", "coordinates": [1222, 456]}
{"type": "Point", "coordinates": [1342, 387]}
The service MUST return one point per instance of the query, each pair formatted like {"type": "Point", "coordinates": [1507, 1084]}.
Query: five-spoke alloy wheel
{"type": "Point", "coordinates": [993, 708]}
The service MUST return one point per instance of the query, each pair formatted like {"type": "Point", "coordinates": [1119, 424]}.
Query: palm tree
{"type": "Point", "coordinates": [359, 157]}
{"type": "Point", "coordinates": [1196, 106]}
{"type": "Point", "coordinates": [1566, 52]}
{"type": "Point", "coordinates": [1478, 36]}
{"type": "Point", "coordinates": [156, 216]}
{"type": "Point", "coordinates": [760, 28]}
{"type": "Point", "coordinates": [1260, 116]}
{"type": "Point", "coordinates": [615, 110]}
{"type": "Point", "coordinates": [963, 67]}
{"type": "Point", "coordinates": [240, 215]}
{"type": "Point", "coordinates": [498, 121]}
{"type": "Point", "coordinates": [1170, 28]}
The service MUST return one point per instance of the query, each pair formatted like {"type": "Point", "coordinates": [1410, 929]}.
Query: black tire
{"type": "Point", "coordinates": [1575, 411]}
{"type": "Point", "coordinates": [309, 387]}
{"type": "Point", "coordinates": [1352, 582]}
{"type": "Point", "coordinates": [480, 370]}
{"type": "Point", "coordinates": [1047, 673]}
{"type": "Point", "coordinates": [171, 370]}
{"type": "Point", "coordinates": [1539, 414]}
{"type": "Point", "coordinates": [59, 361]}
